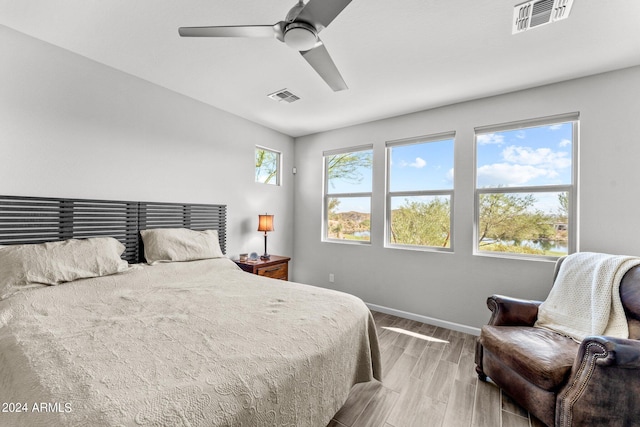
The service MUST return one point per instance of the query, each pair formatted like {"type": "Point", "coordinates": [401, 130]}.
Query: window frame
{"type": "Point", "coordinates": [571, 189]}
{"type": "Point", "coordinates": [278, 174]}
{"type": "Point", "coordinates": [417, 193]}
{"type": "Point", "coordinates": [327, 195]}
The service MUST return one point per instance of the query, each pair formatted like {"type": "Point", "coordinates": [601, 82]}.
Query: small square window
{"type": "Point", "coordinates": [267, 166]}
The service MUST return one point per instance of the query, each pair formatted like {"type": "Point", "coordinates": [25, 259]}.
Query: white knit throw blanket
{"type": "Point", "coordinates": [585, 298]}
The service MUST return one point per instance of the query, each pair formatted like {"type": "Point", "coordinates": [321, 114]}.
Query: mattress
{"type": "Point", "coordinates": [196, 343]}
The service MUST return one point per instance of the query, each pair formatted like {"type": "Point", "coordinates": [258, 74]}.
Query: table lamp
{"type": "Point", "coordinates": [265, 223]}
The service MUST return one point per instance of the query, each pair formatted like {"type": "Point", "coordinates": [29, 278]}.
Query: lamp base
{"type": "Point", "coordinates": [265, 257]}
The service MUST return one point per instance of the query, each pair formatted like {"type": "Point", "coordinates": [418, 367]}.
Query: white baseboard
{"type": "Point", "coordinates": [424, 319]}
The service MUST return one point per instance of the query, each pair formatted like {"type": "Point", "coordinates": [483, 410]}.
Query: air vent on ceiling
{"type": "Point", "coordinates": [535, 13]}
{"type": "Point", "coordinates": [283, 95]}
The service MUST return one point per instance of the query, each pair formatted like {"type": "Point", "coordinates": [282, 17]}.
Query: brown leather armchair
{"type": "Point", "coordinates": [562, 382]}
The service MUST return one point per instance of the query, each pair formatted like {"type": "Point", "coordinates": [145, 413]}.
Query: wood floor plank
{"type": "Point", "coordinates": [403, 338]}
{"type": "Point", "coordinates": [428, 361]}
{"type": "Point", "coordinates": [428, 413]}
{"type": "Point", "coordinates": [470, 343]}
{"type": "Point", "coordinates": [458, 334]}
{"type": "Point", "coordinates": [385, 336]}
{"type": "Point", "coordinates": [414, 326]}
{"type": "Point", "coordinates": [513, 420]}
{"type": "Point", "coordinates": [486, 409]}
{"type": "Point", "coordinates": [460, 406]}
{"type": "Point", "coordinates": [416, 345]}
{"type": "Point", "coordinates": [467, 368]}
{"type": "Point", "coordinates": [408, 401]}
{"type": "Point", "coordinates": [509, 405]}
{"type": "Point", "coordinates": [452, 352]}
{"type": "Point", "coordinates": [536, 422]}
{"type": "Point", "coordinates": [441, 333]}
{"type": "Point", "coordinates": [390, 356]}
{"type": "Point", "coordinates": [378, 409]}
{"type": "Point", "coordinates": [360, 396]}
{"type": "Point", "coordinates": [412, 341]}
{"type": "Point", "coordinates": [427, 330]}
{"type": "Point", "coordinates": [441, 382]}
{"type": "Point", "coordinates": [396, 377]}
{"type": "Point", "coordinates": [402, 323]}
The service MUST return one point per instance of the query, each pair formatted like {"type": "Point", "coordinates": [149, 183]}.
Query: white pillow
{"type": "Point", "coordinates": [52, 263]}
{"type": "Point", "coordinates": [180, 244]}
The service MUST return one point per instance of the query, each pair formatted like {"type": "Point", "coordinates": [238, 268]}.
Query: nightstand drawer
{"type": "Point", "coordinates": [276, 267]}
{"type": "Point", "coordinates": [279, 271]}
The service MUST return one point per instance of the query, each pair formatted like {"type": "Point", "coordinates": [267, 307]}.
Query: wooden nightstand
{"type": "Point", "coordinates": [277, 267]}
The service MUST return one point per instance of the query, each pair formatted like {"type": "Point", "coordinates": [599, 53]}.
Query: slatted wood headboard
{"type": "Point", "coordinates": [46, 219]}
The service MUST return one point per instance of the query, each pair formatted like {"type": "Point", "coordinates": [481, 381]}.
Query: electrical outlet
{"type": "Point", "coordinates": [331, 278]}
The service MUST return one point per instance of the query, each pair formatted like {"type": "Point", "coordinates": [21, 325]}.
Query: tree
{"type": "Point", "coordinates": [333, 221]}
{"type": "Point", "coordinates": [510, 218]}
{"type": "Point", "coordinates": [349, 166]}
{"type": "Point", "coordinates": [563, 200]}
{"type": "Point", "coordinates": [422, 223]}
{"type": "Point", "coordinates": [266, 165]}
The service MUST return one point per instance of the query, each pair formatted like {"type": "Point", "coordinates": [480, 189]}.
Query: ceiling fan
{"type": "Point", "coordinates": [299, 30]}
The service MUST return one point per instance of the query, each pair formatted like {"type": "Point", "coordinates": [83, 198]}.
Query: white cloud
{"type": "Point", "coordinates": [556, 126]}
{"type": "Point", "coordinates": [543, 157]}
{"type": "Point", "coordinates": [522, 165]}
{"type": "Point", "coordinates": [508, 174]}
{"type": "Point", "coordinates": [419, 163]}
{"type": "Point", "coordinates": [490, 138]}
{"type": "Point", "coordinates": [565, 143]}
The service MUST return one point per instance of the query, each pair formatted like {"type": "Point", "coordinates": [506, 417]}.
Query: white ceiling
{"type": "Point", "coordinates": [396, 56]}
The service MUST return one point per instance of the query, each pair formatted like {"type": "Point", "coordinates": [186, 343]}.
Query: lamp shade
{"type": "Point", "coordinates": [265, 223]}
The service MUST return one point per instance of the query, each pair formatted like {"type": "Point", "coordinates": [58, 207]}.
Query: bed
{"type": "Point", "coordinates": [183, 343]}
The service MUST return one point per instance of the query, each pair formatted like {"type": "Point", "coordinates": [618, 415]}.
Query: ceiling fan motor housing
{"type": "Point", "coordinates": [300, 36]}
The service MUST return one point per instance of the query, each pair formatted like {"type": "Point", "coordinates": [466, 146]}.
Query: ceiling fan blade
{"type": "Point", "coordinates": [319, 59]}
{"type": "Point", "coordinates": [232, 31]}
{"type": "Point", "coordinates": [321, 12]}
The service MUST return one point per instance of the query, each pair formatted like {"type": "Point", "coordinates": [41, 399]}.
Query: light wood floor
{"type": "Point", "coordinates": [429, 380]}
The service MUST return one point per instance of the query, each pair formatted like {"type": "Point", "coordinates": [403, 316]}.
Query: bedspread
{"type": "Point", "coordinates": [182, 344]}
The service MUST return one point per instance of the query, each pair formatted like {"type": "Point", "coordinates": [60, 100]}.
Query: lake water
{"type": "Point", "coordinates": [362, 234]}
{"type": "Point", "coordinates": [545, 245]}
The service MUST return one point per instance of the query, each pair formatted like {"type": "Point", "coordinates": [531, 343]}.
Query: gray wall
{"type": "Point", "coordinates": [453, 287]}
{"type": "Point", "coordinates": [70, 127]}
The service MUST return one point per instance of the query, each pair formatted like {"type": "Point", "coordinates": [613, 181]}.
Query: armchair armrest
{"type": "Point", "coordinates": [604, 384]}
{"type": "Point", "coordinates": [620, 352]}
{"type": "Point", "coordinates": [508, 311]}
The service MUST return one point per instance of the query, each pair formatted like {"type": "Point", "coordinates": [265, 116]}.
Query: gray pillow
{"type": "Point", "coordinates": [180, 244]}
{"type": "Point", "coordinates": [53, 263]}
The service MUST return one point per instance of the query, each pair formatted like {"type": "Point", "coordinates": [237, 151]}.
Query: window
{"type": "Point", "coordinates": [267, 166]}
{"type": "Point", "coordinates": [420, 192]}
{"type": "Point", "coordinates": [347, 194]}
{"type": "Point", "coordinates": [525, 188]}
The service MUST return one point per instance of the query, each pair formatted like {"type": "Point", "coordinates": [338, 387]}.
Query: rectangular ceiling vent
{"type": "Point", "coordinates": [284, 95]}
{"type": "Point", "coordinates": [535, 13]}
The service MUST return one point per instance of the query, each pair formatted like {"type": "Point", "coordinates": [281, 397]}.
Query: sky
{"type": "Point", "coordinates": [525, 157]}
{"type": "Point", "coordinates": [537, 156]}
